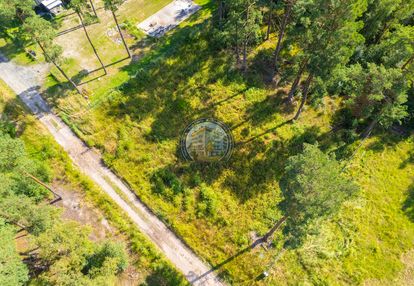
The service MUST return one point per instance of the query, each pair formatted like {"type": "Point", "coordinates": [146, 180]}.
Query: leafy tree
{"type": "Point", "coordinates": [376, 94]}
{"type": "Point", "coordinates": [43, 33]}
{"type": "Point", "coordinates": [382, 16]}
{"type": "Point", "coordinates": [110, 254]}
{"type": "Point", "coordinates": [242, 27]}
{"type": "Point", "coordinates": [11, 9]}
{"type": "Point", "coordinates": [288, 5]}
{"type": "Point", "coordinates": [80, 6]}
{"type": "Point", "coordinates": [13, 272]}
{"type": "Point", "coordinates": [327, 34]}
{"type": "Point", "coordinates": [313, 188]}
{"type": "Point", "coordinates": [396, 48]}
{"type": "Point", "coordinates": [113, 6]}
{"type": "Point", "coordinates": [75, 260]}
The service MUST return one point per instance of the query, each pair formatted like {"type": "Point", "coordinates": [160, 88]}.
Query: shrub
{"type": "Point", "coordinates": [208, 202]}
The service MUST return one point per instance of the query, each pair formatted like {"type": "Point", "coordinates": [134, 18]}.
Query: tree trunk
{"type": "Point", "coordinates": [245, 42]}
{"type": "Point", "coordinates": [120, 33]}
{"type": "Point", "coordinates": [237, 45]}
{"type": "Point", "coordinates": [58, 67]}
{"type": "Point", "coordinates": [220, 13]}
{"type": "Point", "coordinates": [369, 129]}
{"type": "Point", "coordinates": [279, 40]}
{"type": "Point", "coordinates": [16, 223]}
{"type": "Point", "coordinates": [93, 8]}
{"type": "Point", "coordinates": [304, 96]}
{"type": "Point", "coordinates": [274, 228]}
{"type": "Point", "coordinates": [55, 195]}
{"type": "Point", "coordinates": [90, 42]}
{"type": "Point", "coordinates": [245, 57]}
{"type": "Point", "coordinates": [407, 62]}
{"type": "Point", "coordinates": [269, 22]}
{"type": "Point", "coordinates": [296, 81]}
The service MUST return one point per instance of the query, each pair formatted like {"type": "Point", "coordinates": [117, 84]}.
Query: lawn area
{"type": "Point", "coordinates": [149, 267]}
{"type": "Point", "coordinates": [135, 118]}
{"type": "Point", "coordinates": [104, 35]}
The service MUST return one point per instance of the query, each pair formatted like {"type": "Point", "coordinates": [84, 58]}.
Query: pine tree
{"type": "Point", "coordinates": [313, 188]}
{"type": "Point", "coordinates": [43, 33]}
{"type": "Point", "coordinates": [113, 6]}
{"type": "Point", "coordinates": [79, 6]}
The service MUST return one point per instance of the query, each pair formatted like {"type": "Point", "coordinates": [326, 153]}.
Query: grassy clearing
{"type": "Point", "coordinates": [104, 36]}
{"type": "Point", "coordinates": [136, 117]}
{"type": "Point", "coordinates": [153, 269]}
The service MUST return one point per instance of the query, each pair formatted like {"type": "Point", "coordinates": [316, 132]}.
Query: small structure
{"type": "Point", "coordinates": [168, 17]}
{"type": "Point", "coordinates": [52, 6]}
{"type": "Point", "coordinates": [206, 140]}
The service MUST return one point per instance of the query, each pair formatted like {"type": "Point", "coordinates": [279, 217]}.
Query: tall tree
{"type": "Point", "coordinates": [43, 33]}
{"type": "Point", "coordinates": [382, 15]}
{"type": "Point", "coordinates": [11, 9]}
{"type": "Point", "coordinates": [93, 8]}
{"type": "Point", "coordinates": [327, 35]}
{"type": "Point", "coordinates": [271, 5]}
{"type": "Point", "coordinates": [243, 27]}
{"type": "Point", "coordinates": [113, 6]}
{"type": "Point", "coordinates": [13, 272]}
{"type": "Point", "coordinates": [313, 188]}
{"type": "Point", "coordinates": [375, 95]}
{"type": "Point", "coordinates": [80, 6]}
{"type": "Point", "coordinates": [288, 5]}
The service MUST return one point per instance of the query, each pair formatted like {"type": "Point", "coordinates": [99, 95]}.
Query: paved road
{"type": "Point", "coordinates": [25, 82]}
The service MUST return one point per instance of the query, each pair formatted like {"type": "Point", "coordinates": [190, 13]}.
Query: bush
{"type": "Point", "coordinates": [166, 183]}
{"type": "Point", "coordinates": [208, 202]}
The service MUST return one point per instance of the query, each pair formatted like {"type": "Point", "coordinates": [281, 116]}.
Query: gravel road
{"type": "Point", "coordinates": [25, 81]}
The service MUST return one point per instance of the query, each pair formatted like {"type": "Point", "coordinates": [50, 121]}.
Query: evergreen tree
{"type": "Point", "coordinates": [327, 34]}
{"type": "Point", "coordinates": [313, 188]}
{"type": "Point", "coordinates": [43, 33]}
{"type": "Point", "coordinates": [113, 6]}
{"type": "Point", "coordinates": [375, 94]}
{"type": "Point", "coordinates": [242, 28]}
{"type": "Point", "coordinates": [382, 16]}
{"type": "Point", "coordinates": [13, 272]}
{"type": "Point", "coordinates": [80, 7]}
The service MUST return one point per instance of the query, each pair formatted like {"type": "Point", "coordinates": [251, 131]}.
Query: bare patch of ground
{"type": "Point", "coordinates": [168, 17]}
{"type": "Point", "coordinates": [75, 208]}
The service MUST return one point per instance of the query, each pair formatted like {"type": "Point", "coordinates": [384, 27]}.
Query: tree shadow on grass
{"type": "Point", "coordinates": [163, 276]}
{"type": "Point", "coordinates": [163, 84]}
{"type": "Point", "coordinates": [256, 165]}
{"type": "Point", "coordinates": [408, 205]}
{"type": "Point", "coordinates": [409, 160]}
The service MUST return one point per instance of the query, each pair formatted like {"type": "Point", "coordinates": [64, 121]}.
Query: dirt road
{"type": "Point", "coordinates": [25, 82]}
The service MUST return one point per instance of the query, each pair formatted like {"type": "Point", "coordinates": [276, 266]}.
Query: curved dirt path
{"type": "Point", "coordinates": [25, 81]}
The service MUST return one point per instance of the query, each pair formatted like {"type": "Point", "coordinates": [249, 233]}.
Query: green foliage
{"type": "Point", "coordinates": [166, 183]}
{"type": "Point", "coordinates": [108, 253]}
{"type": "Point", "coordinates": [13, 272]}
{"type": "Point", "coordinates": [75, 259]}
{"type": "Point", "coordinates": [112, 5]}
{"type": "Point", "coordinates": [382, 16]}
{"type": "Point", "coordinates": [374, 93]}
{"type": "Point", "coordinates": [313, 188]}
{"type": "Point", "coordinates": [242, 25]}
{"type": "Point", "coordinates": [208, 203]}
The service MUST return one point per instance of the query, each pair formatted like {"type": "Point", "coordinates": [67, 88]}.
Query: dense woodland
{"type": "Point", "coordinates": [359, 53]}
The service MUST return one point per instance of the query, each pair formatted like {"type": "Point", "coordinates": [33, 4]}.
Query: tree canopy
{"type": "Point", "coordinates": [313, 188]}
